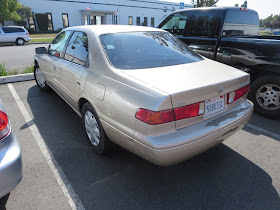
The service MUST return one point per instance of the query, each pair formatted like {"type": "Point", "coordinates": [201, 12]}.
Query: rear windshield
{"type": "Point", "coordinates": [12, 30]}
{"type": "Point", "coordinates": [242, 17]}
{"type": "Point", "coordinates": [137, 50]}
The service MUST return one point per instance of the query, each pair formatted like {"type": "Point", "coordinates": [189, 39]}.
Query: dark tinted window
{"type": "Point", "coordinates": [175, 23]}
{"type": "Point", "coordinates": [58, 44]}
{"type": "Point", "coordinates": [12, 30]}
{"type": "Point", "coordinates": [201, 24]}
{"type": "Point", "coordinates": [138, 21]}
{"type": "Point", "coordinates": [136, 50]}
{"type": "Point", "coordinates": [77, 49]}
{"type": "Point", "coordinates": [242, 17]}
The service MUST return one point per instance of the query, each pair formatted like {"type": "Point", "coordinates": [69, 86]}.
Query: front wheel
{"type": "Point", "coordinates": [94, 130]}
{"type": "Point", "coordinates": [40, 79]}
{"type": "Point", "coordinates": [265, 94]}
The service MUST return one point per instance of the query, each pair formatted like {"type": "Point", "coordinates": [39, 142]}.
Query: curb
{"type": "Point", "coordinates": [16, 78]}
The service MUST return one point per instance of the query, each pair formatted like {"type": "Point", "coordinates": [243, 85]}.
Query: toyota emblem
{"type": "Point", "coordinates": [221, 89]}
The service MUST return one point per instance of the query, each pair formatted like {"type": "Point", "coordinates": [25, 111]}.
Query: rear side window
{"type": "Point", "coordinates": [202, 24]}
{"type": "Point", "coordinates": [77, 49]}
{"type": "Point", "coordinates": [175, 23]}
{"type": "Point", "coordinates": [58, 44]}
{"type": "Point", "coordinates": [12, 30]}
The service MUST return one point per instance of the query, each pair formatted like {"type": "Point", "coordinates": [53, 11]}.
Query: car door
{"type": "Point", "coordinates": [201, 33]}
{"type": "Point", "coordinates": [49, 62]}
{"type": "Point", "coordinates": [73, 70]}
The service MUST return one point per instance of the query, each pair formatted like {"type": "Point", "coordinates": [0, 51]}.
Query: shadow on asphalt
{"type": "Point", "coordinates": [270, 126]}
{"type": "Point", "coordinates": [219, 178]}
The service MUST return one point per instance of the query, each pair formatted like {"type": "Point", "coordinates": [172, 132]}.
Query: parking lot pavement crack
{"type": "Point", "coordinates": [59, 175]}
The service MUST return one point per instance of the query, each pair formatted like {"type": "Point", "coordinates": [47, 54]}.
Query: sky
{"type": "Point", "coordinates": [264, 8]}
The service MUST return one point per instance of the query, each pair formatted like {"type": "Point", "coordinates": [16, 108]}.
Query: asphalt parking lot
{"type": "Point", "coordinates": [241, 173]}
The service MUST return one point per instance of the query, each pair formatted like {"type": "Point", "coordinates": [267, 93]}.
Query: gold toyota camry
{"type": "Point", "coordinates": [143, 89]}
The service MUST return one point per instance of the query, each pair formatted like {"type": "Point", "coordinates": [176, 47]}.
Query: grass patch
{"type": "Point", "coordinates": [41, 35]}
{"type": "Point", "coordinates": [27, 69]}
{"type": "Point", "coordinates": [4, 71]}
{"type": "Point", "coordinates": [46, 40]}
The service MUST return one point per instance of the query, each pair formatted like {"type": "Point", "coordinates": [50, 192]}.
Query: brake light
{"type": "Point", "coordinates": [155, 118]}
{"type": "Point", "coordinates": [170, 115]}
{"type": "Point", "coordinates": [192, 110]}
{"type": "Point", "coordinates": [27, 34]}
{"type": "Point", "coordinates": [4, 125]}
{"type": "Point", "coordinates": [234, 95]}
{"type": "Point", "coordinates": [243, 9]}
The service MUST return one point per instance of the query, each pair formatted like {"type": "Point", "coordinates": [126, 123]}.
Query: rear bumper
{"type": "Point", "coordinates": [180, 145]}
{"type": "Point", "coordinates": [27, 39]}
{"type": "Point", "coordinates": [10, 164]}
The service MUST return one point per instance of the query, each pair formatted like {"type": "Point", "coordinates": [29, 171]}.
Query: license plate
{"type": "Point", "coordinates": [214, 105]}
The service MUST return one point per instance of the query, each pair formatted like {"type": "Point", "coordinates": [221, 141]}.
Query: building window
{"type": "Point", "coordinates": [31, 22]}
{"type": "Point", "coordinates": [152, 22]}
{"type": "Point", "coordinates": [138, 21]}
{"type": "Point", "coordinates": [115, 19]}
{"type": "Point", "coordinates": [130, 20]}
{"type": "Point", "coordinates": [50, 22]}
{"type": "Point", "coordinates": [145, 23]}
{"type": "Point", "coordinates": [65, 20]}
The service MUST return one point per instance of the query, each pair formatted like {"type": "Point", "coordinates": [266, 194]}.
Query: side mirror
{"type": "Point", "coordinates": [41, 50]}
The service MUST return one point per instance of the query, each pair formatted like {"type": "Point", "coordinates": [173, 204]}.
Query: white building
{"type": "Point", "coordinates": [64, 13]}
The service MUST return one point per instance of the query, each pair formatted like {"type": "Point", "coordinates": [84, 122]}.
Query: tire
{"type": "Point", "coordinates": [3, 201]}
{"type": "Point", "coordinates": [94, 131]}
{"type": "Point", "coordinates": [20, 41]}
{"type": "Point", "coordinates": [40, 79]}
{"type": "Point", "coordinates": [265, 94]}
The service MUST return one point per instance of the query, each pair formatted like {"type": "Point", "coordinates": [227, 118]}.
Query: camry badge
{"type": "Point", "coordinates": [221, 89]}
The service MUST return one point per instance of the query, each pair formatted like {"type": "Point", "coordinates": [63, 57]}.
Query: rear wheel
{"type": "Point", "coordinates": [40, 79]}
{"type": "Point", "coordinates": [265, 94]}
{"type": "Point", "coordinates": [94, 130]}
{"type": "Point", "coordinates": [20, 41]}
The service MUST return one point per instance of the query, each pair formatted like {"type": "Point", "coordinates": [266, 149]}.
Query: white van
{"type": "Point", "coordinates": [14, 34]}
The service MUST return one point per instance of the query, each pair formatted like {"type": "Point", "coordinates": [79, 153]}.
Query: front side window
{"type": "Point", "coordinates": [151, 49]}
{"type": "Point", "coordinates": [130, 20]}
{"type": "Point", "coordinates": [77, 49]}
{"type": "Point", "coordinates": [57, 46]}
{"type": "Point", "coordinates": [202, 24]}
{"type": "Point", "coordinates": [65, 20]}
{"type": "Point", "coordinates": [175, 23]}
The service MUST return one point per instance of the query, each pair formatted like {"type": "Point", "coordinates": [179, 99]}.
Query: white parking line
{"type": "Point", "coordinates": [269, 133]}
{"type": "Point", "coordinates": [60, 177]}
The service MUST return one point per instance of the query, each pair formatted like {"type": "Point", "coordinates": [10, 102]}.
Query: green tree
{"type": "Point", "coordinates": [8, 10]}
{"type": "Point", "coordinates": [245, 4]}
{"type": "Point", "coordinates": [205, 3]}
{"type": "Point", "coordinates": [24, 12]}
{"type": "Point", "coordinates": [236, 5]}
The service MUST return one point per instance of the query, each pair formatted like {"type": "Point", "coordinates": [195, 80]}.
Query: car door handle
{"type": "Point", "coordinates": [78, 83]}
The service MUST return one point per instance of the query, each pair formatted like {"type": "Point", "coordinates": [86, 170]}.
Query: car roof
{"type": "Point", "coordinates": [214, 8]}
{"type": "Point", "coordinates": [108, 29]}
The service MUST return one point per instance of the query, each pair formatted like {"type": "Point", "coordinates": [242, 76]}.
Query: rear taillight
{"type": "Point", "coordinates": [192, 110]}
{"type": "Point", "coordinates": [170, 115]}
{"type": "Point", "coordinates": [155, 118]}
{"type": "Point", "coordinates": [27, 34]}
{"type": "Point", "coordinates": [243, 9]}
{"type": "Point", "coordinates": [234, 95]}
{"type": "Point", "coordinates": [4, 125]}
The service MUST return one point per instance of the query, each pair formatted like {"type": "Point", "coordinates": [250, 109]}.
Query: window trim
{"type": "Point", "coordinates": [49, 13]}
{"type": "Point", "coordinates": [67, 20]}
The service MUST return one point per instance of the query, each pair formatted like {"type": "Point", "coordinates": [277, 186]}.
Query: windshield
{"type": "Point", "coordinates": [137, 50]}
